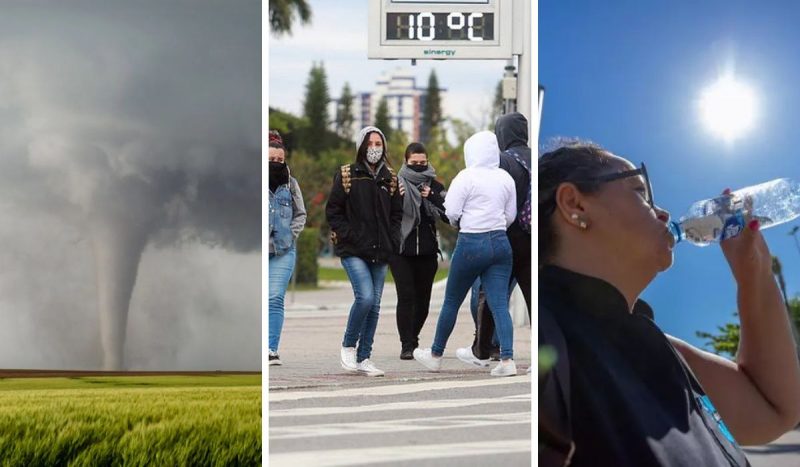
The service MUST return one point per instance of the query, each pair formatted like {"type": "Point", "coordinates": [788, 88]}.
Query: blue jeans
{"type": "Point", "coordinates": [367, 280]}
{"type": "Point", "coordinates": [474, 298]}
{"type": "Point", "coordinates": [280, 271]}
{"type": "Point", "coordinates": [486, 256]}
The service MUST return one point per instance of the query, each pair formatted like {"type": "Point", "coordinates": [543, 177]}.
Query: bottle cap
{"type": "Point", "coordinates": [676, 231]}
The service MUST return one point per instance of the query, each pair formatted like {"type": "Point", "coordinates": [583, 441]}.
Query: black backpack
{"type": "Point", "coordinates": [524, 213]}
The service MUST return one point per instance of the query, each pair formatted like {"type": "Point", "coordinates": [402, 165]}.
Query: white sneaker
{"type": "Point", "coordinates": [505, 369]}
{"type": "Point", "coordinates": [274, 358]}
{"type": "Point", "coordinates": [427, 359]}
{"type": "Point", "coordinates": [465, 355]}
{"type": "Point", "coordinates": [349, 359]}
{"type": "Point", "coordinates": [366, 367]}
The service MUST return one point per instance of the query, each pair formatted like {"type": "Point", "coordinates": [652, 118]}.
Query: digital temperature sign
{"type": "Point", "coordinates": [442, 29]}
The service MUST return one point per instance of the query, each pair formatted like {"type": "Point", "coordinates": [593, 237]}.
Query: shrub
{"type": "Point", "coordinates": [307, 251]}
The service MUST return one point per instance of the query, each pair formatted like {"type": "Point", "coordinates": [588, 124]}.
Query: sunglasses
{"type": "Point", "coordinates": [642, 170]}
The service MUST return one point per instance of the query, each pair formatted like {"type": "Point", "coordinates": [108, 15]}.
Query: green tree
{"type": "Point", "coordinates": [396, 148]}
{"type": "Point", "coordinates": [315, 175]}
{"type": "Point", "coordinates": [382, 118]}
{"type": "Point", "coordinates": [344, 114]}
{"type": "Point", "coordinates": [290, 127]}
{"type": "Point", "coordinates": [463, 131]}
{"type": "Point", "coordinates": [315, 111]}
{"type": "Point", "coordinates": [497, 105]}
{"type": "Point", "coordinates": [432, 114]}
{"type": "Point", "coordinates": [726, 341]}
{"type": "Point", "coordinates": [282, 14]}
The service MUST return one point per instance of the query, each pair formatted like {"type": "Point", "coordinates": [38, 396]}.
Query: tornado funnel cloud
{"type": "Point", "coordinates": [118, 249]}
{"type": "Point", "coordinates": [130, 184]}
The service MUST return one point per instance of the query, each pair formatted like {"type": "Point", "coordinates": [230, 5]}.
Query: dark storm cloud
{"type": "Point", "coordinates": [130, 123]}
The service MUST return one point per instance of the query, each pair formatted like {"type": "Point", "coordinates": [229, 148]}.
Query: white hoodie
{"type": "Point", "coordinates": [482, 196]}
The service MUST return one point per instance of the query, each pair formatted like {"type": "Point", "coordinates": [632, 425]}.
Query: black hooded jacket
{"type": "Point", "coordinates": [365, 222]}
{"type": "Point", "coordinates": [512, 132]}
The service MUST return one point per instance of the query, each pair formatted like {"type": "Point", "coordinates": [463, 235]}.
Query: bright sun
{"type": "Point", "coordinates": [728, 108]}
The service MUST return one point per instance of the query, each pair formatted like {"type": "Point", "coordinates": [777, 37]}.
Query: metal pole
{"type": "Point", "coordinates": [524, 78]}
{"type": "Point", "coordinates": [510, 75]}
{"type": "Point", "coordinates": [539, 121]}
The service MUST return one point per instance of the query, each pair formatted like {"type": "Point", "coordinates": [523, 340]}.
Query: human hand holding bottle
{"type": "Point", "coordinates": [759, 392]}
{"type": "Point", "coordinates": [748, 255]}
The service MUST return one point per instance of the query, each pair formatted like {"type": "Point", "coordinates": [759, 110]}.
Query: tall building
{"type": "Point", "coordinates": [405, 100]}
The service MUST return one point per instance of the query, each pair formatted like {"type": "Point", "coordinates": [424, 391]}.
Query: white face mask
{"type": "Point", "coordinates": [374, 155]}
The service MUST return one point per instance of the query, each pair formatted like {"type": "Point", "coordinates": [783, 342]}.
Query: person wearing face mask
{"type": "Point", "coordinates": [364, 212]}
{"type": "Point", "coordinates": [415, 266]}
{"type": "Point", "coordinates": [287, 217]}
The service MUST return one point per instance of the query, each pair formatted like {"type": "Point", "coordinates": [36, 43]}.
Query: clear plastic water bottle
{"type": "Point", "coordinates": [714, 220]}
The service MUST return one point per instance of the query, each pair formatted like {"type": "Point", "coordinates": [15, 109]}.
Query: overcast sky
{"type": "Point", "coordinates": [144, 116]}
{"type": "Point", "coordinates": [337, 36]}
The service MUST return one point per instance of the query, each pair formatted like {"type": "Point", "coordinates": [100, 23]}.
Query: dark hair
{"type": "Point", "coordinates": [275, 140]}
{"type": "Point", "coordinates": [361, 154]}
{"type": "Point", "coordinates": [572, 162]}
{"type": "Point", "coordinates": [416, 148]}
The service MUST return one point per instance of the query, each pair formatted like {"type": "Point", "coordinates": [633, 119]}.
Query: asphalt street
{"type": "Point", "coordinates": [784, 452]}
{"type": "Point", "coordinates": [475, 422]}
{"type": "Point", "coordinates": [320, 415]}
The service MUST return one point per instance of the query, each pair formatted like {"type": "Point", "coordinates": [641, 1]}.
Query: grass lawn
{"type": "Point", "coordinates": [338, 274]}
{"type": "Point", "coordinates": [131, 420]}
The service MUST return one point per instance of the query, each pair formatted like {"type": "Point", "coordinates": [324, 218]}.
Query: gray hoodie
{"type": "Point", "coordinates": [367, 130]}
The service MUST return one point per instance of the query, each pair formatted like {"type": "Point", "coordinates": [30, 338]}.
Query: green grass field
{"type": "Point", "coordinates": [138, 421]}
{"type": "Point", "coordinates": [338, 274]}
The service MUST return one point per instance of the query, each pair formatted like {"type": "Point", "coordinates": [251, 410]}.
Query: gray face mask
{"type": "Point", "coordinates": [374, 155]}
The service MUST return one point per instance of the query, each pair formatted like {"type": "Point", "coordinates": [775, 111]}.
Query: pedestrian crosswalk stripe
{"type": "Point", "coordinates": [412, 405]}
{"type": "Point", "coordinates": [391, 390]}
{"type": "Point", "coordinates": [374, 456]}
{"type": "Point", "coordinates": [399, 425]}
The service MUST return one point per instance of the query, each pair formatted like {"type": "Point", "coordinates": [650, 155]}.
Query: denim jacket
{"type": "Point", "coordinates": [287, 217]}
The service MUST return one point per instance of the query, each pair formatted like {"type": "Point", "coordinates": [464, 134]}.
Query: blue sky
{"type": "Point", "coordinates": [629, 76]}
{"type": "Point", "coordinates": [338, 37]}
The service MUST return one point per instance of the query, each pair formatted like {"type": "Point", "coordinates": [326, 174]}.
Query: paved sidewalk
{"type": "Point", "coordinates": [783, 452]}
{"type": "Point", "coordinates": [312, 335]}
{"type": "Point", "coordinates": [337, 296]}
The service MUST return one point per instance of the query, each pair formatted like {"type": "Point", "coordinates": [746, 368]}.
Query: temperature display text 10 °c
{"type": "Point", "coordinates": [440, 26]}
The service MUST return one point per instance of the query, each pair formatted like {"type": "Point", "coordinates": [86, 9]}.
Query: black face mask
{"type": "Point", "coordinates": [418, 168]}
{"type": "Point", "coordinates": [278, 175]}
